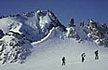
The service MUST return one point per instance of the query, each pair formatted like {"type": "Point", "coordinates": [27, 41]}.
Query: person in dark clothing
{"type": "Point", "coordinates": [83, 57]}
{"type": "Point", "coordinates": [63, 61]}
{"type": "Point", "coordinates": [96, 55]}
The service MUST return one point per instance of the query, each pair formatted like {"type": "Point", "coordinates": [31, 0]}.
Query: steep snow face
{"type": "Point", "coordinates": [5, 24]}
{"type": "Point", "coordinates": [54, 32]}
{"type": "Point", "coordinates": [34, 25]}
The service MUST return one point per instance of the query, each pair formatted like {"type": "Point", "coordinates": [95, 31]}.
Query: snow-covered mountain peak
{"type": "Point", "coordinates": [19, 33]}
{"type": "Point", "coordinates": [34, 25]}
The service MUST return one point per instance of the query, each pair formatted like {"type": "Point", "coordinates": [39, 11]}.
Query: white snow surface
{"type": "Point", "coordinates": [47, 55]}
{"type": "Point", "coordinates": [51, 46]}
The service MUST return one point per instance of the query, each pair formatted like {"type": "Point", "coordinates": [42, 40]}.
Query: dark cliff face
{"type": "Point", "coordinates": [97, 32]}
{"type": "Point", "coordinates": [54, 19]}
{"type": "Point", "coordinates": [1, 34]}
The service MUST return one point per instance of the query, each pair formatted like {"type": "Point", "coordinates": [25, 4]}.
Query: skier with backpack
{"type": "Point", "coordinates": [63, 61]}
{"type": "Point", "coordinates": [96, 55]}
{"type": "Point", "coordinates": [83, 57]}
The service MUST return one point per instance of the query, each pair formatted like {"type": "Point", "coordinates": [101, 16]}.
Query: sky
{"type": "Point", "coordinates": [80, 10]}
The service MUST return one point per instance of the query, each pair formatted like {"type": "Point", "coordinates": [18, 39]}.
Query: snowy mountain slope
{"type": "Point", "coordinates": [34, 25]}
{"type": "Point", "coordinates": [20, 30]}
{"type": "Point", "coordinates": [50, 41]}
{"type": "Point", "coordinates": [54, 32]}
{"type": "Point", "coordinates": [47, 56]}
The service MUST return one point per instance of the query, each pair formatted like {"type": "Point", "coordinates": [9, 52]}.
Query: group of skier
{"type": "Point", "coordinates": [83, 55]}
{"type": "Point", "coordinates": [96, 55]}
